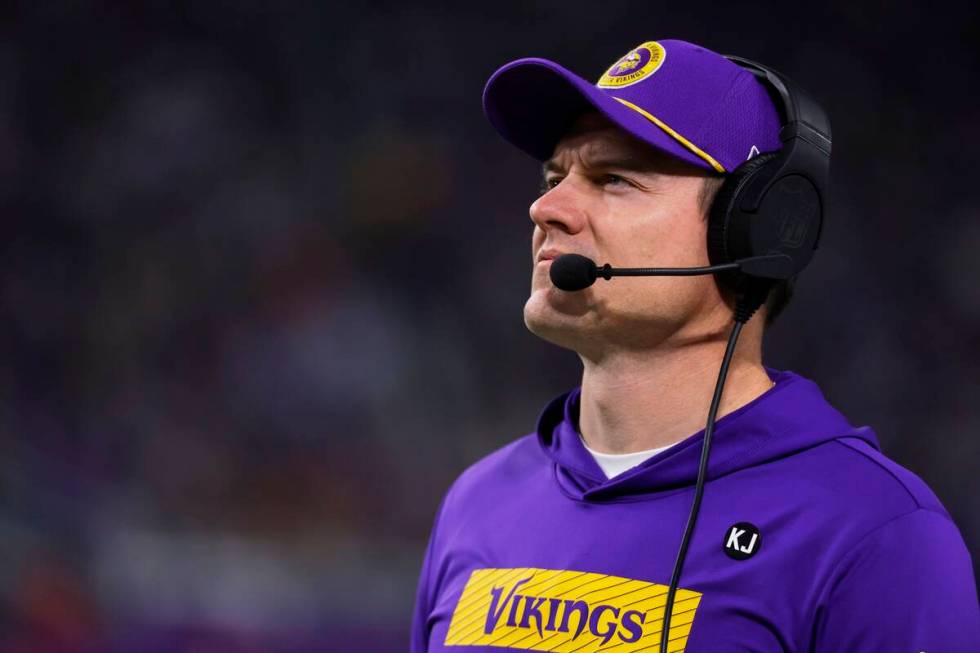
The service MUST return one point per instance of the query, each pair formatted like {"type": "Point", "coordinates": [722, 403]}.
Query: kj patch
{"type": "Point", "coordinates": [742, 541]}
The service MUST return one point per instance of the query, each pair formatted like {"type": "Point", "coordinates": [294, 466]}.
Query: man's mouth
{"type": "Point", "coordinates": [549, 254]}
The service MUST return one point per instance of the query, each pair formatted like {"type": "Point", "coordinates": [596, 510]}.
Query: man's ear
{"type": "Point", "coordinates": [709, 189]}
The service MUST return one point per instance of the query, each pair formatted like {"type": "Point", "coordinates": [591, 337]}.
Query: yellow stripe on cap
{"type": "Point", "coordinates": [680, 139]}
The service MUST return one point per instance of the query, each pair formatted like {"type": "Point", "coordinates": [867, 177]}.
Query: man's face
{"type": "Point", "coordinates": [617, 200]}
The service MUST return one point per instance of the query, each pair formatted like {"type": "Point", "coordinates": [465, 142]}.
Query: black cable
{"type": "Point", "coordinates": [692, 518]}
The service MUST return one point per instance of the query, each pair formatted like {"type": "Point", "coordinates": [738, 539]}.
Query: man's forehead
{"type": "Point", "coordinates": [597, 140]}
{"type": "Point", "coordinates": [591, 121]}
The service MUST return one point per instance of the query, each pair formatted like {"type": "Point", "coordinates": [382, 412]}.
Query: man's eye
{"type": "Point", "coordinates": [548, 184]}
{"type": "Point", "coordinates": [613, 179]}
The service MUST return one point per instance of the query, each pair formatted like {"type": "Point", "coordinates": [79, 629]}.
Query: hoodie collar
{"type": "Point", "coordinates": [791, 416]}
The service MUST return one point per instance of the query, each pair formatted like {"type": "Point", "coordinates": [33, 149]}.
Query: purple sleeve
{"type": "Point", "coordinates": [907, 586]}
{"type": "Point", "coordinates": [425, 594]}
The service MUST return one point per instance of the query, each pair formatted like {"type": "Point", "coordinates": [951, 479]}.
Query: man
{"type": "Point", "coordinates": [808, 538]}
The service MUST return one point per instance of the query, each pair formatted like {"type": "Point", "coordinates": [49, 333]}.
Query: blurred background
{"type": "Point", "coordinates": [262, 268]}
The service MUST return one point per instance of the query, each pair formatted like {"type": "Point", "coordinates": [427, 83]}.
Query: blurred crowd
{"type": "Point", "coordinates": [262, 274]}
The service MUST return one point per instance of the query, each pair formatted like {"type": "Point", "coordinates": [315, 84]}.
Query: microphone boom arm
{"type": "Point", "coordinates": [607, 272]}
{"type": "Point", "coordinates": [772, 266]}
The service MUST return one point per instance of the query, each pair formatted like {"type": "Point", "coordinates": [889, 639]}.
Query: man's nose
{"type": "Point", "coordinates": [560, 208]}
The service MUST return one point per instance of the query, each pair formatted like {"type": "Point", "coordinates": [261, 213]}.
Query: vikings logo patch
{"type": "Point", "coordinates": [635, 65]}
{"type": "Point", "coordinates": [568, 611]}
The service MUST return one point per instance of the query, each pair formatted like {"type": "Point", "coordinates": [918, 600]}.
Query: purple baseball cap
{"type": "Point", "coordinates": [680, 98]}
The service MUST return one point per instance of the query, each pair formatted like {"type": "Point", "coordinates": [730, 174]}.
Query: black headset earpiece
{"type": "Point", "coordinates": [774, 203]}
{"type": "Point", "coordinates": [724, 245]}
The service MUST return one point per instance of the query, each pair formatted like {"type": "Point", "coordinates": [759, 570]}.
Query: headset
{"type": "Point", "coordinates": [765, 222]}
{"type": "Point", "coordinates": [768, 211]}
{"type": "Point", "coordinates": [774, 203]}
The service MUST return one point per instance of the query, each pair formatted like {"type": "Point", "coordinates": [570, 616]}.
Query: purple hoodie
{"type": "Point", "coordinates": [809, 539]}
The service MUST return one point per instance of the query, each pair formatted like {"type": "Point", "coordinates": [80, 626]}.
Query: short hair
{"type": "Point", "coordinates": [781, 292]}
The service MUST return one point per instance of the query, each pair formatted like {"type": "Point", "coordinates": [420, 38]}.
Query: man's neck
{"type": "Point", "coordinates": [633, 402]}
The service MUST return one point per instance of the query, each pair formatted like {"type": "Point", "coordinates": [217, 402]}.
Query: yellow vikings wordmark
{"type": "Point", "coordinates": [566, 611]}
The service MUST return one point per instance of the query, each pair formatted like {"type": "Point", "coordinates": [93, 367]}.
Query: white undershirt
{"type": "Point", "coordinates": [614, 464]}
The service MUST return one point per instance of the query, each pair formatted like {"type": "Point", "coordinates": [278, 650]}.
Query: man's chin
{"type": "Point", "coordinates": [556, 316]}
{"type": "Point", "coordinates": [550, 300]}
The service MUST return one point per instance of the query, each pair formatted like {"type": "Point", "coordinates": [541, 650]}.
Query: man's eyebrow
{"type": "Point", "coordinates": [617, 160]}
{"type": "Point", "coordinates": [549, 166]}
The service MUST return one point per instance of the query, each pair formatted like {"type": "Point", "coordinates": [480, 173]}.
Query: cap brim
{"type": "Point", "coordinates": [533, 102]}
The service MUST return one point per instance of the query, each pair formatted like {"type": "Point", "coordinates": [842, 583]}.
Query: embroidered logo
{"type": "Point", "coordinates": [742, 541]}
{"type": "Point", "coordinates": [637, 64]}
{"type": "Point", "coordinates": [557, 610]}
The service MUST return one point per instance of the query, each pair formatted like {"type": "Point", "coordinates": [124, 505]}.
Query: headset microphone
{"type": "Point", "coordinates": [572, 272]}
